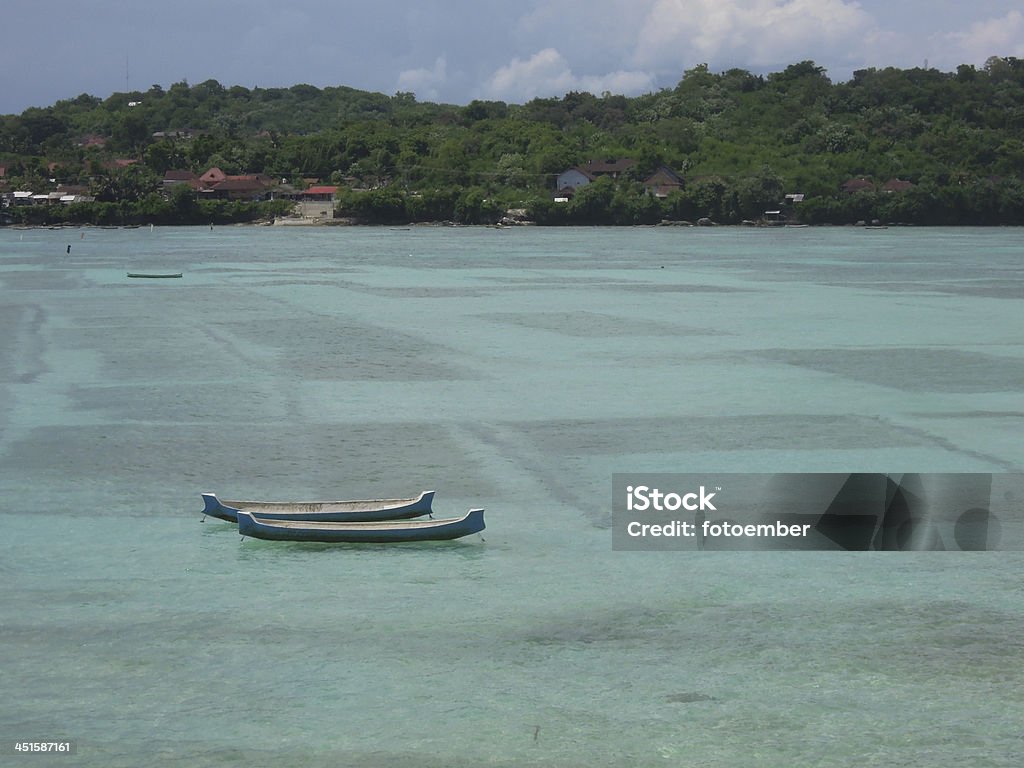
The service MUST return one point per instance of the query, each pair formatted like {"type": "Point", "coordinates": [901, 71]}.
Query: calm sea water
{"type": "Point", "coordinates": [515, 370]}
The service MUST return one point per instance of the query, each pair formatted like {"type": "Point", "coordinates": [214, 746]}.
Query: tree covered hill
{"type": "Point", "coordinates": [740, 141]}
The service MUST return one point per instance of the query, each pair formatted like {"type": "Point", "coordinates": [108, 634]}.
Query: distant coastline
{"type": "Point", "coordinates": [345, 223]}
{"type": "Point", "coordinates": [918, 146]}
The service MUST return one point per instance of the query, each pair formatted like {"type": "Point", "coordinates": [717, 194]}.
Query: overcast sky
{"type": "Point", "coordinates": [458, 50]}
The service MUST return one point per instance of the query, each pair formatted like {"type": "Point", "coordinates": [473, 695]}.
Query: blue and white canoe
{"type": "Point", "coordinates": [363, 510]}
{"type": "Point", "coordinates": [386, 531]}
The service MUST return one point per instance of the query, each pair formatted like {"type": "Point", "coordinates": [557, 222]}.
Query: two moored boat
{"type": "Point", "coordinates": [371, 520]}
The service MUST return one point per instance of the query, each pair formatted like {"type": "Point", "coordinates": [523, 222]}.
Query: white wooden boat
{"type": "Point", "coordinates": [361, 510]}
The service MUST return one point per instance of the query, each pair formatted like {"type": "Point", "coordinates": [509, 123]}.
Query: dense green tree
{"type": "Point", "coordinates": [132, 183]}
{"type": "Point", "coordinates": [475, 207]}
{"type": "Point", "coordinates": [956, 136]}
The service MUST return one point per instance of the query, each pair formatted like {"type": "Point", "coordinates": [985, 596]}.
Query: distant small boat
{"type": "Point", "coordinates": [380, 532]}
{"type": "Point", "coordinates": [155, 275]}
{"type": "Point", "coordinates": [356, 511]}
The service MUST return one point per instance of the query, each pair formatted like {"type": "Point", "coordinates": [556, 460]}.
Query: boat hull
{"type": "Point", "coordinates": [356, 511]}
{"type": "Point", "coordinates": [384, 532]}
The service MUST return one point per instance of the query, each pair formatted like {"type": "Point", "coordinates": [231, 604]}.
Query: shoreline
{"type": "Point", "coordinates": [340, 223]}
{"type": "Point", "coordinates": [349, 222]}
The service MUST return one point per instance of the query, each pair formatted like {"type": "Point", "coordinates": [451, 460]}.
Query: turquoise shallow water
{"type": "Point", "coordinates": [515, 370]}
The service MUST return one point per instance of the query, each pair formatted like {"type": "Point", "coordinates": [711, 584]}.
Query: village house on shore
{"type": "Point", "coordinates": [659, 183]}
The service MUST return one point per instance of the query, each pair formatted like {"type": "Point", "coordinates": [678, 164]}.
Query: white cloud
{"type": "Point", "coordinates": [425, 83]}
{"type": "Point", "coordinates": [758, 32]}
{"type": "Point", "coordinates": [547, 73]}
{"type": "Point", "coordinates": [1003, 36]}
